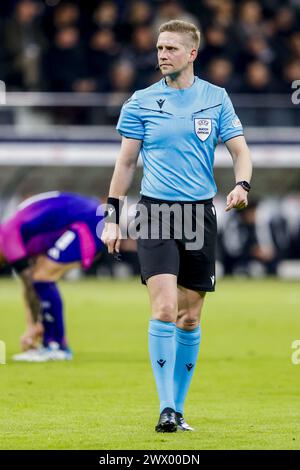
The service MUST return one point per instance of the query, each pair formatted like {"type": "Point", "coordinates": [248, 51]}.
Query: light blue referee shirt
{"type": "Point", "coordinates": [180, 131]}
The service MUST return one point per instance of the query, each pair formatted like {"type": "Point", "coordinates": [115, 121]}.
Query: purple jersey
{"type": "Point", "coordinates": [41, 220]}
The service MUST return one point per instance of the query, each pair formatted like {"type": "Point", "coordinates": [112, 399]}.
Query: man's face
{"type": "Point", "coordinates": [174, 52]}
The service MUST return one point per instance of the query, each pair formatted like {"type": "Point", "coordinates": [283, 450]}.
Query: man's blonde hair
{"type": "Point", "coordinates": [182, 27]}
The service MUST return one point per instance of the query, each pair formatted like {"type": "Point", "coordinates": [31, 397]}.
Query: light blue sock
{"type": "Point", "coordinates": [162, 356]}
{"type": "Point", "coordinates": [187, 349]}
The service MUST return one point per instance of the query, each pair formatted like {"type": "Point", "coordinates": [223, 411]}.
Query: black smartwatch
{"type": "Point", "coordinates": [245, 185]}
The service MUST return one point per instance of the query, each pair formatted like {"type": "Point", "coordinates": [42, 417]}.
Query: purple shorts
{"type": "Point", "coordinates": [79, 243]}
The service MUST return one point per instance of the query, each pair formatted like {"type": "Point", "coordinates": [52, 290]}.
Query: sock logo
{"type": "Point", "coordinates": [49, 318]}
{"type": "Point", "coordinates": [189, 366]}
{"type": "Point", "coordinates": [161, 362]}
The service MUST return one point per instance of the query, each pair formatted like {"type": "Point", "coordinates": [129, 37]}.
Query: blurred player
{"type": "Point", "coordinates": [175, 124]}
{"type": "Point", "coordinates": [49, 234]}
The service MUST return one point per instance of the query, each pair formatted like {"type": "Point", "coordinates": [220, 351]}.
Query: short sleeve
{"type": "Point", "coordinates": [130, 123]}
{"type": "Point", "coordinates": [230, 125]}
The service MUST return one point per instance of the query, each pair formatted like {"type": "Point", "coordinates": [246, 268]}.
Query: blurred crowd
{"type": "Point", "coordinates": [109, 45]}
{"type": "Point", "coordinates": [256, 240]}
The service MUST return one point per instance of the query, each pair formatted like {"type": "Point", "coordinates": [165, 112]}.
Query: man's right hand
{"type": "Point", "coordinates": [111, 237]}
{"type": "Point", "coordinates": [32, 336]}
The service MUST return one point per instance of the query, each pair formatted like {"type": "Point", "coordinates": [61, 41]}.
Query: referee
{"type": "Point", "coordinates": [175, 125]}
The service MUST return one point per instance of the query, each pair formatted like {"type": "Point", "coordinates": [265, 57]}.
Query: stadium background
{"type": "Point", "coordinates": [67, 67]}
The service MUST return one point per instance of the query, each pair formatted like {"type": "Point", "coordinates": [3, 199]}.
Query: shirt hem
{"type": "Point", "coordinates": [168, 200]}
{"type": "Point", "coordinates": [232, 137]}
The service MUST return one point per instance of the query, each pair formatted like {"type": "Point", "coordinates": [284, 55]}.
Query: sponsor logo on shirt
{"type": "Point", "coordinates": [160, 102]}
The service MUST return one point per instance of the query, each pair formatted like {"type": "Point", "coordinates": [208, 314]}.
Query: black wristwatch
{"type": "Point", "coordinates": [245, 185]}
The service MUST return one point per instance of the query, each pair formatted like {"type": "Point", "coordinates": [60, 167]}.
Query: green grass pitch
{"type": "Point", "coordinates": [245, 392]}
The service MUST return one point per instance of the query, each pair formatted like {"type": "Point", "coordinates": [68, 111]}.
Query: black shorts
{"type": "Point", "coordinates": [170, 249]}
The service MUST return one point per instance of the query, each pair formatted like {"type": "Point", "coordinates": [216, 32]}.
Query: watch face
{"type": "Point", "coordinates": [246, 185]}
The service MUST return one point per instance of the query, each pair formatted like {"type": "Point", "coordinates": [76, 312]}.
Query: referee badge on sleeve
{"type": "Point", "coordinates": [202, 128]}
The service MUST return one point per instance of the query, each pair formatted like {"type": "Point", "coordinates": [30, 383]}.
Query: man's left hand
{"type": "Point", "coordinates": [237, 199]}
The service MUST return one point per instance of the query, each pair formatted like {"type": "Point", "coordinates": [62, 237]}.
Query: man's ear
{"type": "Point", "coordinates": [193, 54]}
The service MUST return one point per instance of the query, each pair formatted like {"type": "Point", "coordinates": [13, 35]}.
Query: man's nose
{"type": "Point", "coordinates": [163, 55]}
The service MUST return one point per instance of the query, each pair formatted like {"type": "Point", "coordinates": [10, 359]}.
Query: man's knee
{"type": "Point", "coordinates": [166, 312]}
{"type": "Point", "coordinates": [189, 309]}
{"type": "Point", "coordinates": [189, 318]}
{"type": "Point", "coordinates": [189, 321]}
